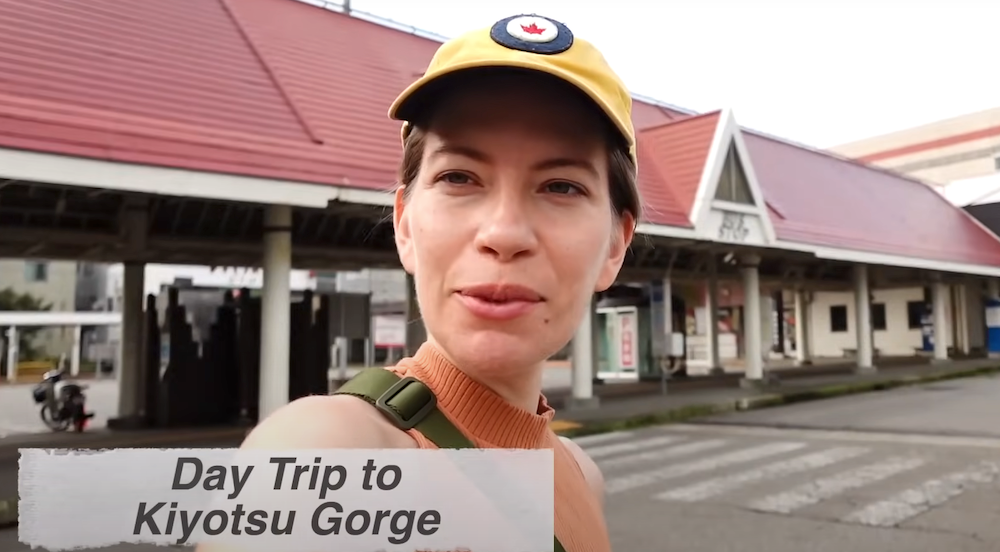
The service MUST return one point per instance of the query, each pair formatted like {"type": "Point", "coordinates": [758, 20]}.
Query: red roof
{"type": "Point", "coordinates": [677, 152]}
{"type": "Point", "coordinates": [821, 199]}
{"type": "Point", "coordinates": [282, 89]}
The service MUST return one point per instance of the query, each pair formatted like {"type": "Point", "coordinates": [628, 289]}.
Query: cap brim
{"type": "Point", "coordinates": [408, 105]}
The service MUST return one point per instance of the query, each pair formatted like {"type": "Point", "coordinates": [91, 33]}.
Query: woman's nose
{"type": "Point", "coordinates": [507, 228]}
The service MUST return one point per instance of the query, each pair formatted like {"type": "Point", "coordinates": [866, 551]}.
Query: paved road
{"type": "Point", "coordinates": [957, 407]}
{"type": "Point", "coordinates": [754, 488]}
{"type": "Point", "coordinates": [19, 413]}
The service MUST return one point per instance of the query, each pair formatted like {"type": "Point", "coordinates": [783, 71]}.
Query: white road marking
{"type": "Point", "coordinates": [912, 502]}
{"type": "Point", "coordinates": [663, 454]}
{"type": "Point", "coordinates": [640, 479]}
{"type": "Point", "coordinates": [601, 438]}
{"type": "Point", "coordinates": [828, 487]}
{"type": "Point", "coordinates": [719, 485]}
{"type": "Point", "coordinates": [631, 446]}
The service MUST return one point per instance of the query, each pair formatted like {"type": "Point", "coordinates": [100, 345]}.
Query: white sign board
{"type": "Point", "coordinates": [735, 227]}
{"type": "Point", "coordinates": [628, 336]}
{"type": "Point", "coordinates": [389, 330]}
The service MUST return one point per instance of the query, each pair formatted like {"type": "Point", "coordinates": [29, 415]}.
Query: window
{"type": "Point", "coordinates": [838, 318]}
{"type": "Point", "coordinates": [35, 271]}
{"type": "Point", "coordinates": [733, 184]}
{"type": "Point", "coordinates": [878, 316]}
{"type": "Point", "coordinates": [914, 314]}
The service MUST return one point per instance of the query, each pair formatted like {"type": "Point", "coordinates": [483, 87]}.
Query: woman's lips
{"type": "Point", "coordinates": [499, 302]}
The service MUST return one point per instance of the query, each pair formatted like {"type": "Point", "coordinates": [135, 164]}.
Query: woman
{"type": "Point", "coordinates": [517, 202]}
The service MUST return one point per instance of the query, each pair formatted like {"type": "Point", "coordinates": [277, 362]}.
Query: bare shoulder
{"type": "Point", "coordinates": [321, 421]}
{"type": "Point", "coordinates": [591, 472]}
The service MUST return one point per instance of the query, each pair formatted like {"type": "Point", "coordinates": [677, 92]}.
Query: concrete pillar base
{"type": "Point", "coordinates": [128, 423]}
{"type": "Point", "coordinates": [865, 370]}
{"type": "Point", "coordinates": [590, 403]}
{"type": "Point", "coordinates": [940, 360]}
{"type": "Point", "coordinates": [803, 363]}
{"type": "Point", "coordinates": [716, 371]}
{"type": "Point", "coordinates": [993, 355]}
{"type": "Point", "coordinates": [767, 381]}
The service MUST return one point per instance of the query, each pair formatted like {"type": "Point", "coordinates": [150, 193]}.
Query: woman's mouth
{"type": "Point", "coordinates": [499, 302]}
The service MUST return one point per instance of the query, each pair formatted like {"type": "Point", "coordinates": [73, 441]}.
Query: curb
{"type": "Point", "coordinates": [8, 506]}
{"type": "Point", "coordinates": [691, 412]}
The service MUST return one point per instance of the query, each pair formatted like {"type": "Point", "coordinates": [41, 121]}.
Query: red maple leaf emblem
{"type": "Point", "coordinates": [532, 29]}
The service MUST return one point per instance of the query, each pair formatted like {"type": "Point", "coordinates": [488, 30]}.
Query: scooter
{"type": "Point", "coordinates": [63, 401]}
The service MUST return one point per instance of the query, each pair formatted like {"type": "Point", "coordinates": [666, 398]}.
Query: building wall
{"type": "Point", "coordinates": [897, 339]}
{"type": "Point", "coordinates": [91, 286]}
{"type": "Point", "coordinates": [52, 281]}
{"type": "Point", "coordinates": [953, 149]}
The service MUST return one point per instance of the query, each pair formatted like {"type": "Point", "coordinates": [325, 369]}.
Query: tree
{"type": "Point", "coordinates": [11, 300]}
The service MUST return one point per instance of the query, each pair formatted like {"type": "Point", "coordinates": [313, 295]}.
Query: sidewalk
{"type": "Point", "coordinates": [623, 406]}
{"type": "Point", "coordinates": [693, 398]}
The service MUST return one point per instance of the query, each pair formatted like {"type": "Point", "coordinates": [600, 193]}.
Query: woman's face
{"type": "Point", "coordinates": [509, 229]}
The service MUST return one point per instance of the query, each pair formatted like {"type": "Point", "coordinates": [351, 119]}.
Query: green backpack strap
{"type": "Point", "coordinates": [409, 404]}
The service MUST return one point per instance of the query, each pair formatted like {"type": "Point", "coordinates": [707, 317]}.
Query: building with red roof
{"type": "Point", "coordinates": [202, 114]}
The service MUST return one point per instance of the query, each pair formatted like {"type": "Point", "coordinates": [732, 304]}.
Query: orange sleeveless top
{"type": "Point", "coordinates": [491, 422]}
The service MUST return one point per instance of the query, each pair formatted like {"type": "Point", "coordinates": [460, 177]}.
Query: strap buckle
{"type": "Point", "coordinates": [382, 403]}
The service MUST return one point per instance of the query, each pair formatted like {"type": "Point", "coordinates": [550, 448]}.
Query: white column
{"type": "Point", "coordinates": [751, 320]}
{"type": "Point", "coordinates": [13, 341]}
{"type": "Point", "coordinates": [863, 318]}
{"type": "Point", "coordinates": [74, 354]}
{"type": "Point", "coordinates": [712, 325]}
{"type": "Point", "coordinates": [668, 319]}
{"type": "Point", "coordinates": [960, 315]}
{"type": "Point", "coordinates": [802, 313]}
{"type": "Point", "coordinates": [939, 294]}
{"type": "Point", "coordinates": [130, 365]}
{"type": "Point", "coordinates": [583, 362]}
{"type": "Point", "coordinates": [275, 317]}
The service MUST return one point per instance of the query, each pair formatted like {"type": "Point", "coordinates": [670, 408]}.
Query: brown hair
{"type": "Point", "coordinates": [622, 182]}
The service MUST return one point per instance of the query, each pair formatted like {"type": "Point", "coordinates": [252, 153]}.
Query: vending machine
{"type": "Point", "coordinates": [624, 346]}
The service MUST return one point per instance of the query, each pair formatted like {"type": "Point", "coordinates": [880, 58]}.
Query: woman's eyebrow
{"type": "Point", "coordinates": [563, 162]}
{"type": "Point", "coordinates": [464, 151]}
{"type": "Point", "coordinates": [546, 164]}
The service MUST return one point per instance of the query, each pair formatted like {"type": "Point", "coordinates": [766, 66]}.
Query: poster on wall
{"type": "Point", "coordinates": [389, 331]}
{"type": "Point", "coordinates": [629, 344]}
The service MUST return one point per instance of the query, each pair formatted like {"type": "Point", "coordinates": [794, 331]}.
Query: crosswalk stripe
{"type": "Point", "coordinates": [828, 487]}
{"type": "Point", "coordinates": [630, 446]}
{"type": "Point", "coordinates": [719, 485]}
{"type": "Point", "coordinates": [912, 502]}
{"type": "Point", "coordinates": [666, 453]}
{"type": "Point", "coordinates": [587, 440]}
{"type": "Point", "coordinates": [639, 479]}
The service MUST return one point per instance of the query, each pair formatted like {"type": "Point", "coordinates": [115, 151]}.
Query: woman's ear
{"type": "Point", "coordinates": [401, 229]}
{"type": "Point", "coordinates": [621, 239]}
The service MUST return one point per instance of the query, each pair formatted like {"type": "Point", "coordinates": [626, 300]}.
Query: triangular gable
{"type": "Point", "coordinates": [729, 206]}
{"type": "Point", "coordinates": [733, 185]}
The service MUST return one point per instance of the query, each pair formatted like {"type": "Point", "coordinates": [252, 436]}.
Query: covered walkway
{"type": "Point", "coordinates": [253, 133]}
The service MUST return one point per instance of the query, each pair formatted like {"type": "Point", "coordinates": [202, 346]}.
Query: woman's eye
{"type": "Point", "coordinates": [562, 188]}
{"type": "Point", "coordinates": [456, 178]}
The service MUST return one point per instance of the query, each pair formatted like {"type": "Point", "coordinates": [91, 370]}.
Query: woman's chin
{"type": "Point", "coordinates": [493, 350]}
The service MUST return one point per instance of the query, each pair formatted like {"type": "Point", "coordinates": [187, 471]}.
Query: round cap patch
{"type": "Point", "coordinates": [532, 33]}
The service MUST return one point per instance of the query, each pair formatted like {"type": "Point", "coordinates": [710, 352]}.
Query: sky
{"type": "Point", "coordinates": [818, 72]}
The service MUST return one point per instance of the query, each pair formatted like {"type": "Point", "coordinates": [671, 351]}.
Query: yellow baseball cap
{"type": "Point", "coordinates": [529, 42]}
